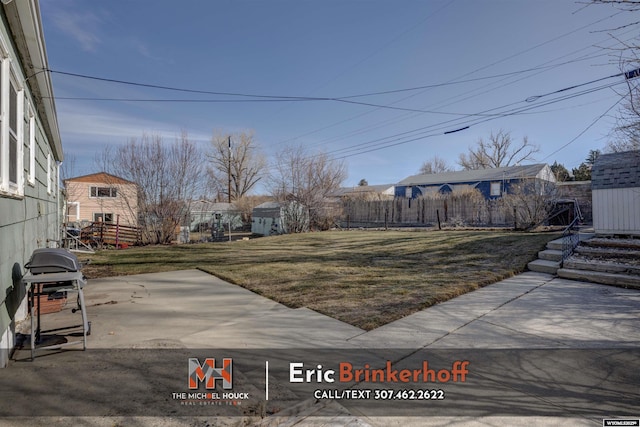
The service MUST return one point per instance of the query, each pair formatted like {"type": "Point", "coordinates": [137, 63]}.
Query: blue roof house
{"type": "Point", "coordinates": [492, 183]}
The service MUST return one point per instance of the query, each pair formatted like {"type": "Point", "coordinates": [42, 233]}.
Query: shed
{"type": "Point", "coordinates": [615, 185]}
{"type": "Point", "coordinates": [492, 183]}
{"type": "Point", "coordinates": [266, 219]}
{"type": "Point", "coordinates": [271, 218]}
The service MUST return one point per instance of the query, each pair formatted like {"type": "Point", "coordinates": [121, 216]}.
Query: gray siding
{"type": "Point", "coordinates": [31, 219]}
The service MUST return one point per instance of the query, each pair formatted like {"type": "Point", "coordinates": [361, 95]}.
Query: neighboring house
{"type": "Point", "coordinates": [492, 183]}
{"type": "Point", "coordinates": [205, 214]}
{"type": "Point", "coordinates": [30, 152]}
{"type": "Point", "coordinates": [101, 197]}
{"type": "Point", "coordinates": [212, 218]}
{"type": "Point", "coordinates": [615, 185]}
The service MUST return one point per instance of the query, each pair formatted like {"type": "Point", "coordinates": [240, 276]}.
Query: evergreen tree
{"type": "Point", "coordinates": [582, 172]}
{"type": "Point", "coordinates": [561, 173]}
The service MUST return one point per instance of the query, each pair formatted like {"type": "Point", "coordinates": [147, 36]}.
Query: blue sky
{"type": "Point", "coordinates": [476, 62]}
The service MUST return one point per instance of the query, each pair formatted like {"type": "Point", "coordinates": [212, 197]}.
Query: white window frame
{"type": "Point", "coordinates": [31, 176]}
{"type": "Point", "coordinates": [495, 188]}
{"type": "Point", "coordinates": [49, 173]}
{"type": "Point", "coordinates": [56, 182]}
{"type": "Point", "coordinates": [8, 80]}
{"type": "Point", "coordinates": [113, 192]}
{"type": "Point", "coordinates": [18, 134]}
{"type": "Point", "coordinates": [77, 214]}
{"type": "Point", "coordinates": [4, 145]}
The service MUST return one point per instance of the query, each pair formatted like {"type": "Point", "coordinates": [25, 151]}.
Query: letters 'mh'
{"type": "Point", "coordinates": [208, 373]}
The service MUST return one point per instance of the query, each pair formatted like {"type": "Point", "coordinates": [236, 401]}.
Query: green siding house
{"type": "Point", "coordinates": [30, 153]}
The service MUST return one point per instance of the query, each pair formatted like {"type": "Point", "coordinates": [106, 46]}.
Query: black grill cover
{"type": "Point", "coordinates": [53, 260]}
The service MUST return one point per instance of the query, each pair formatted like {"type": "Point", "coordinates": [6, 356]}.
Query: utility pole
{"type": "Point", "coordinates": [229, 169]}
{"type": "Point", "coordinates": [229, 176]}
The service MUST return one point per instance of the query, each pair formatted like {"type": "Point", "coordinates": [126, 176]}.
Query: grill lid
{"type": "Point", "coordinates": [53, 260]}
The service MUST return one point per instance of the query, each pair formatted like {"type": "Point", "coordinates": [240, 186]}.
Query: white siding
{"type": "Point", "coordinates": [616, 211]}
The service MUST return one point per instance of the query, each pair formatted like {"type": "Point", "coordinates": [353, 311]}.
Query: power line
{"type": "Point", "coordinates": [399, 139]}
{"type": "Point", "coordinates": [362, 130]}
{"type": "Point", "coordinates": [177, 89]}
{"type": "Point", "coordinates": [587, 128]}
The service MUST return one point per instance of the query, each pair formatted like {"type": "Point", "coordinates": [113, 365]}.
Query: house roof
{"type": "Point", "coordinates": [24, 20]}
{"type": "Point", "coordinates": [100, 178]}
{"type": "Point", "coordinates": [616, 170]}
{"type": "Point", "coordinates": [509, 172]}
{"type": "Point", "coordinates": [362, 189]}
{"type": "Point", "coordinates": [206, 206]}
{"type": "Point", "coordinates": [269, 205]}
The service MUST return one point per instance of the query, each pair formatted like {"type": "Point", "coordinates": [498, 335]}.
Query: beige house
{"type": "Point", "coordinates": [101, 197]}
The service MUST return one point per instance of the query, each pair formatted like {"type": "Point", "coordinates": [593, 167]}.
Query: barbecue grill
{"type": "Point", "coordinates": [53, 260]}
{"type": "Point", "coordinates": [54, 270]}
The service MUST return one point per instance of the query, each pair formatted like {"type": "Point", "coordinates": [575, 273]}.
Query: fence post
{"type": "Point", "coordinates": [438, 215]}
{"type": "Point", "coordinates": [515, 219]}
{"type": "Point", "coordinates": [386, 218]}
{"type": "Point", "coordinates": [117, 229]}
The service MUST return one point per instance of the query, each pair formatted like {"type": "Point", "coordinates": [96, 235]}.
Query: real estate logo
{"type": "Point", "coordinates": [204, 377]}
{"type": "Point", "coordinates": [208, 373]}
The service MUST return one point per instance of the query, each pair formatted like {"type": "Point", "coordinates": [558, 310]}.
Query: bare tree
{"type": "Point", "coordinates": [625, 136]}
{"type": "Point", "coordinates": [307, 180]}
{"type": "Point", "coordinates": [435, 165]}
{"type": "Point", "coordinates": [245, 205]}
{"type": "Point", "coordinates": [168, 176]}
{"type": "Point", "coordinates": [68, 167]}
{"type": "Point", "coordinates": [531, 200]}
{"type": "Point", "coordinates": [235, 161]}
{"type": "Point", "coordinates": [500, 150]}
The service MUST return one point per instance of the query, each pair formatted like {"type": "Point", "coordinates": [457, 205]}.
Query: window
{"type": "Point", "coordinates": [30, 136]}
{"type": "Point", "coordinates": [11, 131]}
{"type": "Point", "coordinates": [49, 173]}
{"type": "Point", "coordinates": [15, 133]}
{"type": "Point", "coordinates": [55, 185]}
{"type": "Point", "coordinates": [496, 188]}
{"type": "Point", "coordinates": [103, 192]}
{"type": "Point", "coordinates": [102, 217]}
{"type": "Point", "coordinates": [73, 211]}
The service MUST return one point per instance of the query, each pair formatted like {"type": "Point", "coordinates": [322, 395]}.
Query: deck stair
{"type": "Point", "coordinates": [606, 260]}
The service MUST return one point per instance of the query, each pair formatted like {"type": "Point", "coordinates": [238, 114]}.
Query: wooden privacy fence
{"type": "Point", "coordinates": [471, 210]}
{"type": "Point", "coordinates": [98, 234]}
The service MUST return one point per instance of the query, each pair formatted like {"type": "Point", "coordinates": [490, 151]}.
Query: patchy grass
{"type": "Point", "coordinates": [365, 278]}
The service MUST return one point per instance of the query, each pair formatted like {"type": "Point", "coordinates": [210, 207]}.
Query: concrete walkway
{"type": "Point", "coordinates": [192, 309]}
{"type": "Point", "coordinates": [196, 310]}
